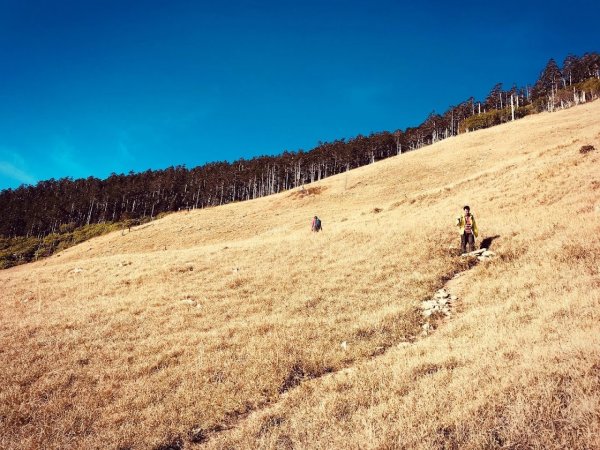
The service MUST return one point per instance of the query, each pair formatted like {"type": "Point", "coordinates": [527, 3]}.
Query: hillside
{"type": "Point", "coordinates": [236, 327]}
{"type": "Point", "coordinates": [39, 220]}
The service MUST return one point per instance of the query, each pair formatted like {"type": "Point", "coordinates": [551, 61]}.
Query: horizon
{"type": "Point", "coordinates": [107, 88]}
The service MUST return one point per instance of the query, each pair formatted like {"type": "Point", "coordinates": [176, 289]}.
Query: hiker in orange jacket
{"type": "Point", "coordinates": [468, 229]}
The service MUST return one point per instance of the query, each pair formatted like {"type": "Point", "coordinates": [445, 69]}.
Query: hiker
{"type": "Point", "coordinates": [468, 229]}
{"type": "Point", "coordinates": [316, 224]}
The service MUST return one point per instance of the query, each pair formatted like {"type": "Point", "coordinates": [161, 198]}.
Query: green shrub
{"type": "Point", "coordinates": [17, 250]}
{"type": "Point", "coordinates": [20, 249]}
{"type": "Point", "coordinates": [591, 85]}
{"type": "Point", "coordinates": [163, 214]}
{"type": "Point", "coordinates": [67, 227]}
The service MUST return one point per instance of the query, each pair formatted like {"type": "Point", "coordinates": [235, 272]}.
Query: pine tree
{"type": "Point", "coordinates": [494, 98]}
{"type": "Point", "coordinates": [548, 81]}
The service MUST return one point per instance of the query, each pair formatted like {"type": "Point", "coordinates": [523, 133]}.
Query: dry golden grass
{"type": "Point", "coordinates": [223, 328]}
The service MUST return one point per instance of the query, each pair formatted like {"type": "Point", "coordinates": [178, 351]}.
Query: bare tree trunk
{"type": "Point", "coordinates": [90, 212]}
{"type": "Point", "coordinates": [398, 145]}
{"type": "Point", "coordinates": [512, 107]}
{"type": "Point", "coordinates": [197, 197]}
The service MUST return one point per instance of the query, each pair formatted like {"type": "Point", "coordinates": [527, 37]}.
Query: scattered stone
{"type": "Point", "coordinates": [440, 303]}
{"type": "Point", "coordinates": [189, 302]}
{"type": "Point", "coordinates": [198, 435]}
{"type": "Point", "coordinates": [344, 345]}
{"type": "Point", "coordinates": [183, 268]}
{"type": "Point", "coordinates": [483, 254]}
{"type": "Point", "coordinates": [176, 444]}
{"type": "Point", "coordinates": [441, 294]}
{"type": "Point", "coordinates": [428, 304]}
{"type": "Point", "coordinates": [77, 270]}
{"type": "Point", "coordinates": [474, 253]}
{"type": "Point", "coordinates": [586, 149]}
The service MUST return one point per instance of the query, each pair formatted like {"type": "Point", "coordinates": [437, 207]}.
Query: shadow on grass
{"type": "Point", "coordinates": [487, 242]}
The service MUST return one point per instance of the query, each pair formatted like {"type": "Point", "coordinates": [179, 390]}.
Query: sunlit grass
{"type": "Point", "coordinates": [236, 327]}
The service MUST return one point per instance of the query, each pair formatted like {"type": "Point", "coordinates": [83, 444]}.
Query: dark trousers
{"type": "Point", "coordinates": [467, 238]}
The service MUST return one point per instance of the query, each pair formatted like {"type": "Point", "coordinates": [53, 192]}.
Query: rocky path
{"type": "Point", "coordinates": [440, 307]}
{"type": "Point", "coordinates": [443, 302]}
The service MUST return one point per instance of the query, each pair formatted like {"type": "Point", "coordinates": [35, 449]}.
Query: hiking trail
{"type": "Point", "coordinates": [441, 307]}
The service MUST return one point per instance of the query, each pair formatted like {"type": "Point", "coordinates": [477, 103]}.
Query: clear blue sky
{"type": "Point", "coordinates": [90, 87]}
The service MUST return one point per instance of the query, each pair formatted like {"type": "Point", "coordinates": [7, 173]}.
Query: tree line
{"type": "Point", "coordinates": [55, 206]}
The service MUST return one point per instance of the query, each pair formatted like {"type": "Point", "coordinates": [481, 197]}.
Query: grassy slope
{"type": "Point", "coordinates": [99, 351]}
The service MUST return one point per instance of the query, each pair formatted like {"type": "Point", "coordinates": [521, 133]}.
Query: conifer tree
{"type": "Point", "coordinates": [548, 81]}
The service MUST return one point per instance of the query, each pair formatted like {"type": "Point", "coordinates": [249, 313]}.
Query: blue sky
{"type": "Point", "coordinates": [91, 87]}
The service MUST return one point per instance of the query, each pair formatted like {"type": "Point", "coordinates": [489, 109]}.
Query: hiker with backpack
{"type": "Point", "coordinates": [316, 225]}
{"type": "Point", "coordinates": [468, 230]}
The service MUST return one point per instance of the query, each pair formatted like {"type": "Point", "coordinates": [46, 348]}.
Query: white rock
{"type": "Point", "coordinates": [428, 304]}
{"type": "Point", "coordinates": [427, 313]}
{"type": "Point", "coordinates": [188, 301]}
{"type": "Point", "coordinates": [426, 328]}
{"type": "Point", "coordinates": [77, 270]}
{"type": "Point", "coordinates": [344, 345]}
{"type": "Point", "coordinates": [453, 298]}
